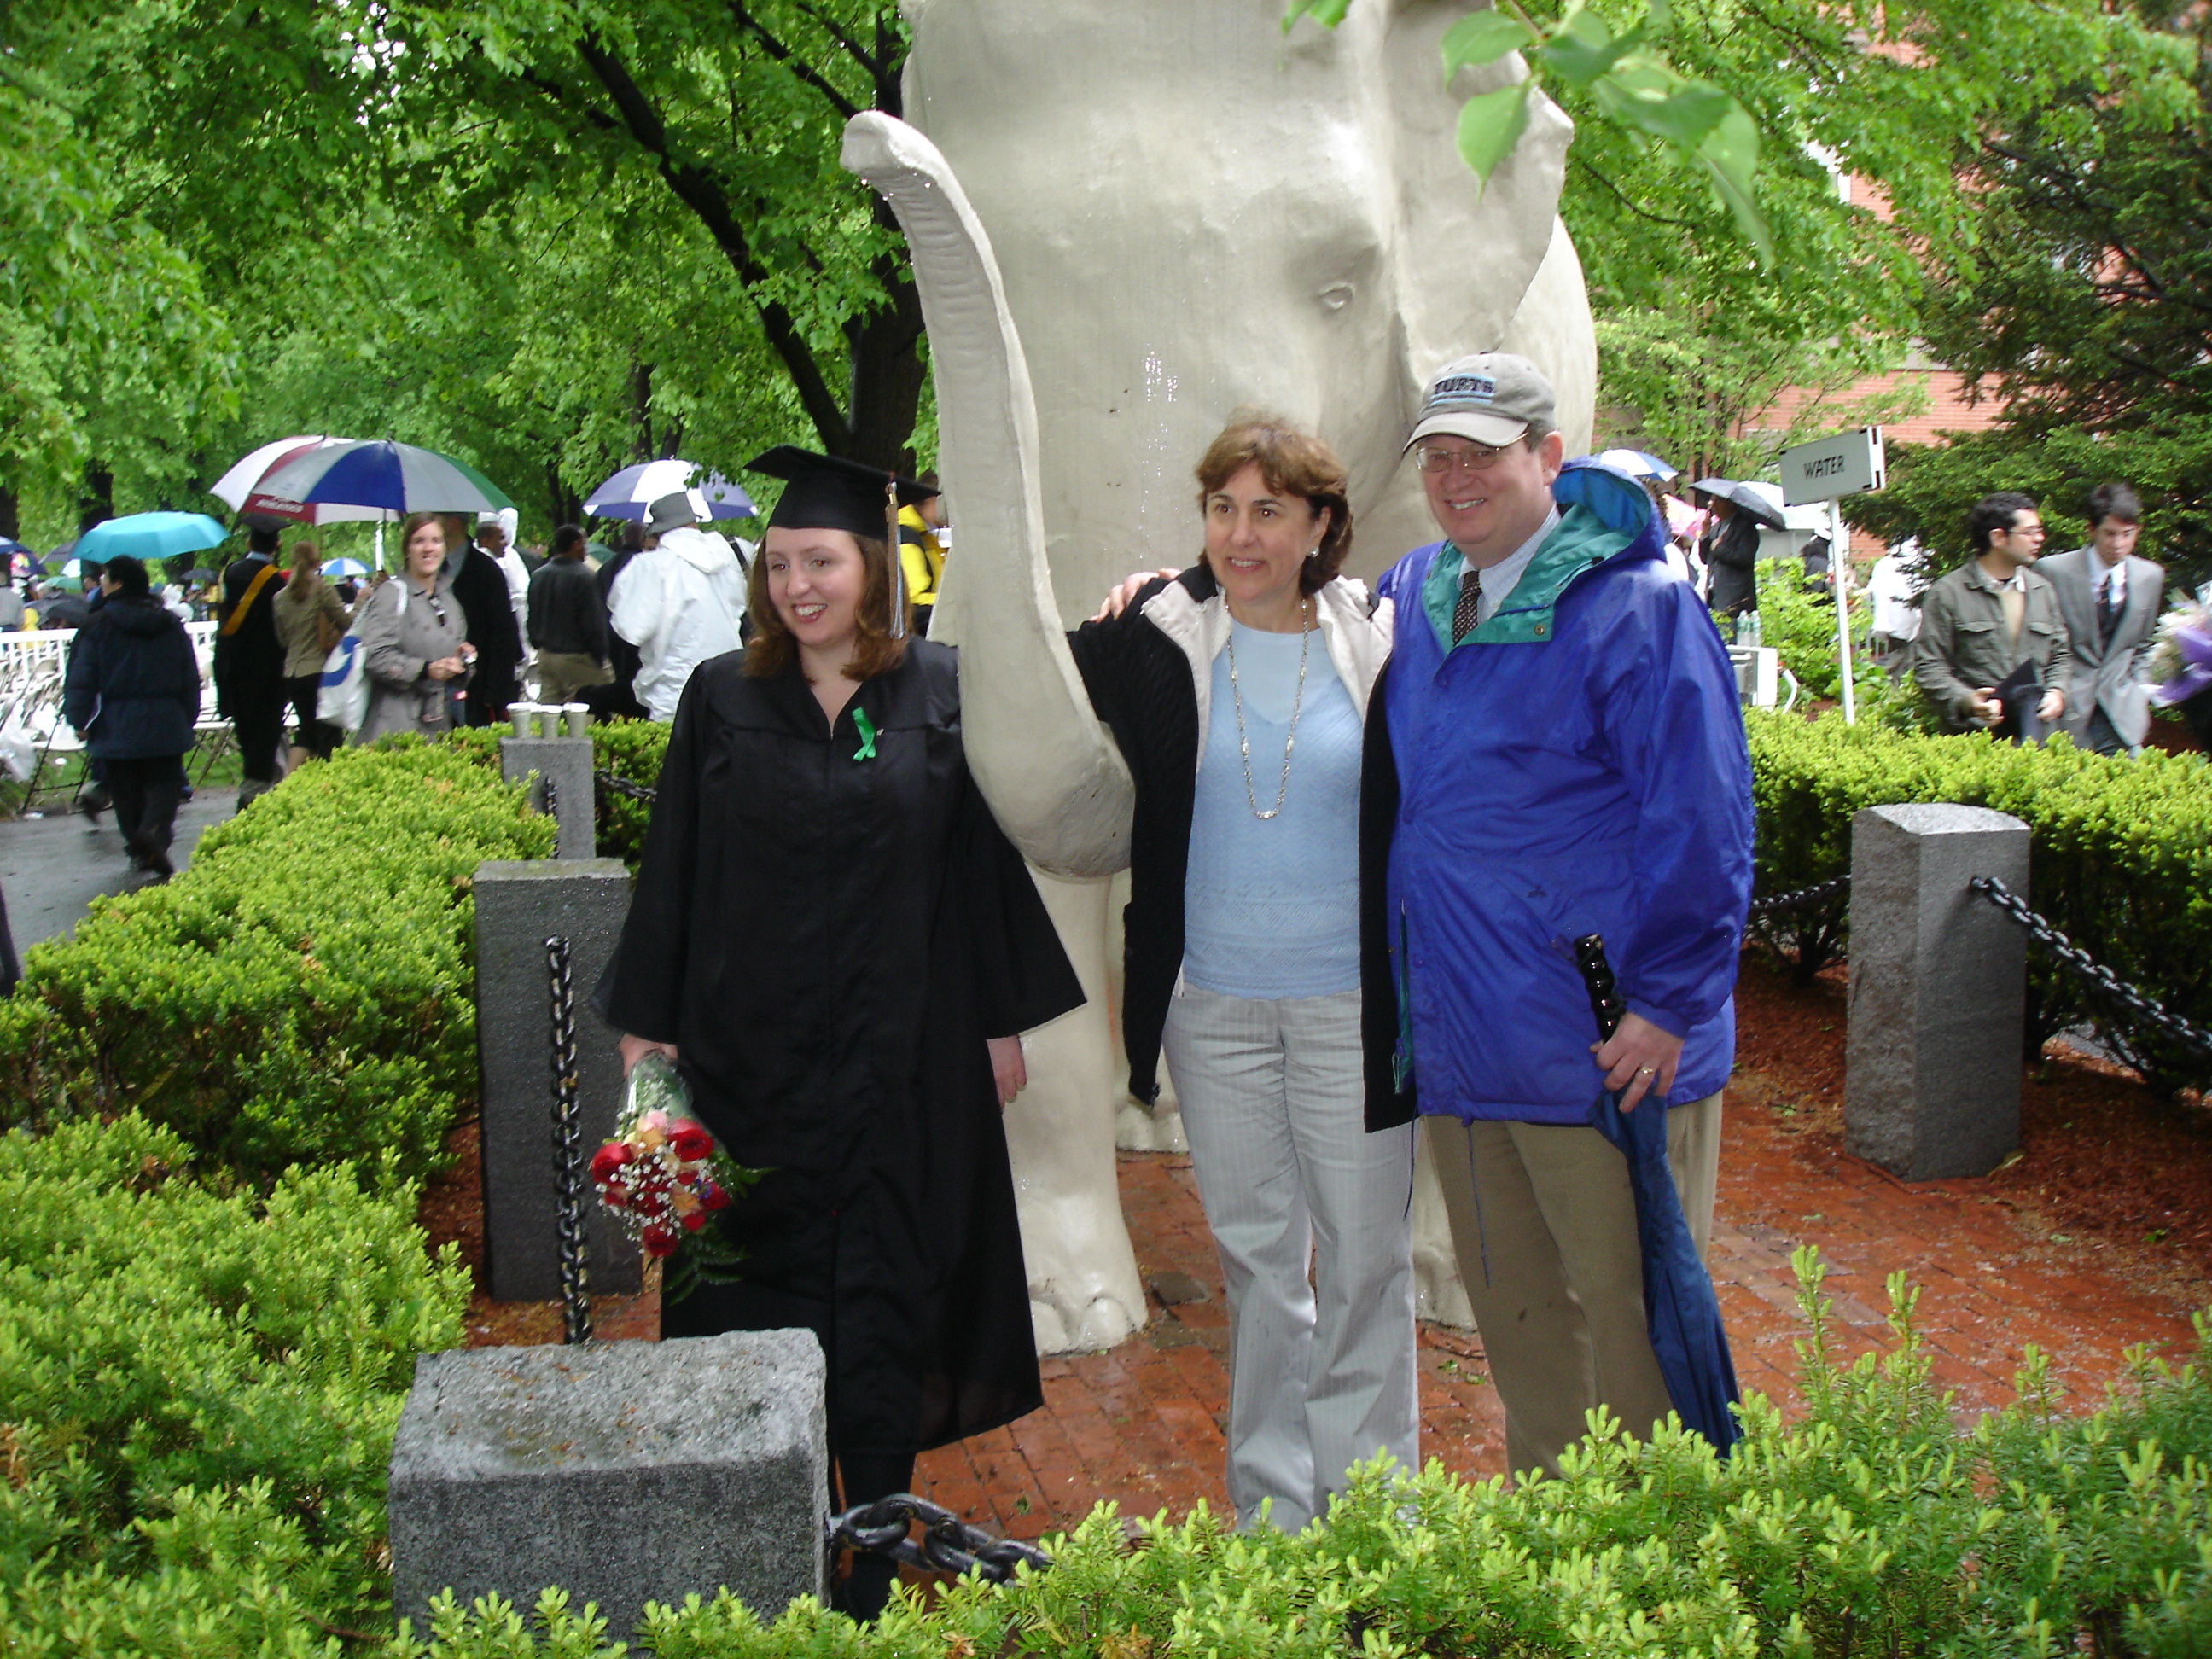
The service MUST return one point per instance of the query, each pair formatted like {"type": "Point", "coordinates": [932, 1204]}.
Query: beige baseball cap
{"type": "Point", "coordinates": [1491, 398]}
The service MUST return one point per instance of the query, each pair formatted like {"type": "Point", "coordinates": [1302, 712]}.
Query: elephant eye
{"type": "Point", "coordinates": [1336, 295]}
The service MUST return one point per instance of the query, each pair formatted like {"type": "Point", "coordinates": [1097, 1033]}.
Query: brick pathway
{"type": "Point", "coordinates": [1141, 1425]}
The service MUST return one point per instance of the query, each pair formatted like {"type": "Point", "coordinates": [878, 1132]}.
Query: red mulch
{"type": "Point", "coordinates": [2102, 1157]}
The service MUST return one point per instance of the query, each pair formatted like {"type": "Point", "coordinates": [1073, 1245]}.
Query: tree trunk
{"type": "Point", "coordinates": [96, 502]}
{"type": "Point", "coordinates": [10, 511]}
{"type": "Point", "coordinates": [640, 409]}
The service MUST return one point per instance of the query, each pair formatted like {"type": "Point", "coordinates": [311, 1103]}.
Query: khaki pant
{"type": "Point", "coordinates": [561, 674]}
{"type": "Point", "coordinates": [1543, 1225]}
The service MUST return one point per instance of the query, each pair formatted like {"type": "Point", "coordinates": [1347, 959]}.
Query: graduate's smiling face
{"type": "Point", "coordinates": [815, 580]}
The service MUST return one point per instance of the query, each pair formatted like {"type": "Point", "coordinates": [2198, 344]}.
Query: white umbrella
{"type": "Point", "coordinates": [631, 491]}
{"type": "Point", "coordinates": [240, 487]}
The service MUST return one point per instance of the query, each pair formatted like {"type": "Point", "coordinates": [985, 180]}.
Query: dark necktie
{"type": "Point", "coordinates": [2108, 609]}
{"type": "Point", "coordinates": [1467, 612]}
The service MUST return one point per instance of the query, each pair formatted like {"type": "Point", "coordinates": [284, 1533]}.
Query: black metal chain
{"type": "Point", "coordinates": [567, 1149]}
{"type": "Point", "coordinates": [552, 807]}
{"type": "Point", "coordinates": [622, 785]}
{"type": "Point", "coordinates": [948, 1543]}
{"type": "Point", "coordinates": [1803, 898]}
{"type": "Point", "coordinates": [2079, 962]}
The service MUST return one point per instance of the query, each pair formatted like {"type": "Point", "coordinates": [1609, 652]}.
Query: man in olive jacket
{"type": "Point", "coordinates": [1990, 619]}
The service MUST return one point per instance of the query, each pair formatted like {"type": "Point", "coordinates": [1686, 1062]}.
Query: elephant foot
{"type": "Point", "coordinates": [1142, 1128]}
{"type": "Point", "coordinates": [1066, 1322]}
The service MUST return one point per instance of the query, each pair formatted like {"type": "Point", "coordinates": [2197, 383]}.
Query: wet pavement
{"type": "Point", "coordinates": [52, 867]}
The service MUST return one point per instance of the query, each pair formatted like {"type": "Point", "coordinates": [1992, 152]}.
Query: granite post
{"type": "Point", "coordinates": [622, 1472]}
{"type": "Point", "coordinates": [567, 763]}
{"type": "Point", "coordinates": [520, 903]}
{"type": "Point", "coordinates": [1939, 988]}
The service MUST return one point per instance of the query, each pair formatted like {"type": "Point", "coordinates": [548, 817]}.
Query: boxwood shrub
{"type": "Point", "coordinates": [2122, 858]}
{"type": "Point", "coordinates": [199, 1389]}
{"type": "Point", "coordinates": [303, 992]}
{"type": "Point", "coordinates": [1873, 1528]}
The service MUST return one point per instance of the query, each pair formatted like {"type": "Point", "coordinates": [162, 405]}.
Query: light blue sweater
{"type": "Point", "coordinates": [1271, 907]}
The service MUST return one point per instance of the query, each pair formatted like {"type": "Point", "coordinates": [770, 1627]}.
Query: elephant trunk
{"type": "Point", "coordinates": [1051, 772]}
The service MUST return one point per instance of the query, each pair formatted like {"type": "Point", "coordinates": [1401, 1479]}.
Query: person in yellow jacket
{"type": "Point", "coordinates": [923, 544]}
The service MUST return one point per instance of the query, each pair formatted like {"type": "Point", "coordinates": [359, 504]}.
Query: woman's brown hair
{"type": "Point", "coordinates": [1294, 463]}
{"type": "Point", "coordinates": [875, 651]}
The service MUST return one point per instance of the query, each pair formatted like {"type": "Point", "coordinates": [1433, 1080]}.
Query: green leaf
{"type": "Point", "coordinates": [1490, 124]}
{"type": "Point", "coordinates": [1683, 113]}
{"type": "Point", "coordinates": [1582, 47]}
{"type": "Point", "coordinates": [1730, 156]}
{"type": "Point", "coordinates": [1327, 13]}
{"type": "Point", "coordinates": [1483, 38]}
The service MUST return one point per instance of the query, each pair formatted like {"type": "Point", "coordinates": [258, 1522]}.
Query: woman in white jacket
{"type": "Point", "coordinates": [679, 602]}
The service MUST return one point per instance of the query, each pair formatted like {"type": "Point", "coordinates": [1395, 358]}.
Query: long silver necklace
{"type": "Point", "coordinates": [1291, 740]}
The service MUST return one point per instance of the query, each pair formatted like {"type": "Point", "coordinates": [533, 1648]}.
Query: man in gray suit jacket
{"type": "Point", "coordinates": [2110, 599]}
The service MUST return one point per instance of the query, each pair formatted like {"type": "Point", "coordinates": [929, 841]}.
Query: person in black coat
{"type": "Point", "coordinates": [618, 699]}
{"type": "Point", "coordinates": [480, 587]}
{"type": "Point", "coordinates": [249, 658]}
{"type": "Point", "coordinates": [1730, 551]}
{"type": "Point", "coordinates": [568, 622]}
{"type": "Point", "coordinates": [133, 691]}
{"type": "Point", "coordinates": [838, 947]}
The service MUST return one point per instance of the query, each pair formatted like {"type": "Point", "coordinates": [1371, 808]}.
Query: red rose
{"type": "Point", "coordinates": [609, 1158]}
{"type": "Point", "coordinates": [715, 1198]}
{"type": "Point", "coordinates": [691, 1142]}
{"type": "Point", "coordinates": [658, 1241]}
{"type": "Point", "coordinates": [695, 1220]}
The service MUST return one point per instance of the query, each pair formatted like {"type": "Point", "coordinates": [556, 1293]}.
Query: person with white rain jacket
{"type": "Point", "coordinates": [679, 602]}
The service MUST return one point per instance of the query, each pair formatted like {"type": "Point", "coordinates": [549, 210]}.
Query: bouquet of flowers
{"type": "Point", "coordinates": [2182, 660]}
{"type": "Point", "coordinates": [663, 1177]}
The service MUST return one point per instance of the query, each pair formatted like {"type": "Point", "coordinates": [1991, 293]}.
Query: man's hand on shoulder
{"type": "Point", "coordinates": [1637, 1059]}
{"type": "Point", "coordinates": [1122, 597]}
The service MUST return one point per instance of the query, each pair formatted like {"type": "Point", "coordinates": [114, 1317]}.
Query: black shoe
{"type": "Point", "coordinates": [157, 860]}
{"type": "Point", "coordinates": [93, 802]}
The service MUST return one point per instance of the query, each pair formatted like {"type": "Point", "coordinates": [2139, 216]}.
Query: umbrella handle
{"type": "Point", "coordinates": [1597, 979]}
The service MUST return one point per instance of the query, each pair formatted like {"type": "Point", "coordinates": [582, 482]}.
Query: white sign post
{"type": "Point", "coordinates": [1849, 463]}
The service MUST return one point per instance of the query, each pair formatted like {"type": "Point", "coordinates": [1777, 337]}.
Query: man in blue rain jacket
{"type": "Point", "coordinates": [1556, 750]}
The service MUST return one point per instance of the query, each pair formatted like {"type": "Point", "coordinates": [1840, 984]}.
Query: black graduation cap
{"type": "Point", "coordinates": [826, 492]}
{"type": "Point", "coordinates": [823, 492]}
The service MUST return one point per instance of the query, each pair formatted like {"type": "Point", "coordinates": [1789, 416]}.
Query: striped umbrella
{"type": "Point", "coordinates": [631, 491]}
{"type": "Point", "coordinates": [377, 473]}
{"type": "Point", "coordinates": [240, 487]}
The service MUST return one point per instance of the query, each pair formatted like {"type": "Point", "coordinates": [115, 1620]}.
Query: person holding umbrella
{"type": "Point", "coordinates": [132, 691]}
{"type": "Point", "coordinates": [1731, 552]}
{"type": "Point", "coordinates": [249, 657]}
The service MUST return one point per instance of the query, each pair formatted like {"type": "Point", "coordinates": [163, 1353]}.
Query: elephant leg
{"type": "Point", "coordinates": [1085, 1292]}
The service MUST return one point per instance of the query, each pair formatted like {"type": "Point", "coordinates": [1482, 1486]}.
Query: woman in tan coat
{"type": "Point", "coordinates": [310, 619]}
{"type": "Point", "coordinates": [414, 640]}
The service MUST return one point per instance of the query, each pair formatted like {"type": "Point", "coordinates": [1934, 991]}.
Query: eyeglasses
{"type": "Point", "coordinates": [1481, 458]}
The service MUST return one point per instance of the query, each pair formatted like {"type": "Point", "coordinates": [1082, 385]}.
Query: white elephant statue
{"type": "Point", "coordinates": [1127, 221]}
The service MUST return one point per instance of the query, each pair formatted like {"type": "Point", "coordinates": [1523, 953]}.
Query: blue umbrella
{"type": "Point", "coordinates": [345, 567]}
{"type": "Point", "coordinates": [1682, 1314]}
{"type": "Point", "coordinates": [148, 535]}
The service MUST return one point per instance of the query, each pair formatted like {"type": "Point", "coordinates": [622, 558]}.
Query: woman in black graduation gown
{"type": "Point", "coordinates": [838, 946]}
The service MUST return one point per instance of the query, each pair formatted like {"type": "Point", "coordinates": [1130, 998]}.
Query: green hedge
{"type": "Point", "coordinates": [632, 750]}
{"type": "Point", "coordinates": [2122, 857]}
{"type": "Point", "coordinates": [1875, 1527]}
{"type": "Point", "coordinates": [302, 993]}
{"type": "Point", "coordinates": [198, 1395]}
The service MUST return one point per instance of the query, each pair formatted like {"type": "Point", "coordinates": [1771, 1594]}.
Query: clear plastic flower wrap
{"type": "Point", "coordinates": [664, 1178]}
